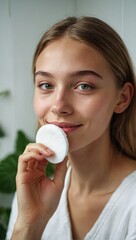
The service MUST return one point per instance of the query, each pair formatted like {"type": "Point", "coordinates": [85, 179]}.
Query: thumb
{"type": "Point", "coordinates": [60, 173]}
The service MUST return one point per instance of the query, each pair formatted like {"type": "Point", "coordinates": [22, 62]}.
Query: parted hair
{"type": "Point", "coordinates": [95, 32]}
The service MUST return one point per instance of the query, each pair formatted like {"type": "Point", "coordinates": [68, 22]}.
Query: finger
{"type": "Point", "coordinates": [31, 164]}
{"type": "Point", "coordinates": [60, 173]}
{"type": "Point", "coordinates": [24, 159]}
{"type": "Point", "coordinates": [41, 165]}
{"type": "Point", "coordinates": [37, 165]}
{"type": "Point", "coordinates": [39, 148]}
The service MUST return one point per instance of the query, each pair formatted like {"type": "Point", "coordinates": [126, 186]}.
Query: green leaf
{"type": "Point", "coordinates": [21, 141]}
{"type": "Point", "coordinates": [50, 169]}
{"type": "Point", "coordinates": [4, 216]}
{"type": "Point", "coordinates": [8, 169]}
{"type": "Point", "coordinates": [5, 93]}
{"type": "Point", "coordinates": [8, 166]}
{"type": "Point", "coordinates": [2, 134]}
{"type": "Point", "coordinates": [2, 232]}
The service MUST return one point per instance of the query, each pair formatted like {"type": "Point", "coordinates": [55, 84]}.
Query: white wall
{"type": "Point", "coordinates": [21, 26]}
{"type": "Point", "coordinates": [129, 28]}
{"type": "Point", "coordinates": [120, 14]}
{"type": "Point", "coordinates": [7, 116]}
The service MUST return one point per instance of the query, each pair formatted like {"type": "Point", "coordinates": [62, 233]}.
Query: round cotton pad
{"type": "Point", "coordinates": [55, 138]}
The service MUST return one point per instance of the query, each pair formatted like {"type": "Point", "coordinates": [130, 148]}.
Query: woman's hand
{"type": "Point", "coordinates": [38, 196]}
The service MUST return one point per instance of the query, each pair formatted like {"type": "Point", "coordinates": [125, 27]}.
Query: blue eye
{"type": "Point", "coordinates": [46, 86]}
{"type": "Point", "coordinates": [84, 87]}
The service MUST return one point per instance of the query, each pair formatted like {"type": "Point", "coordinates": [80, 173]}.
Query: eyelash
{"type": "Point", "coordinates": [45, 86]}
{"type": "Point", "coordinates": [88, 87]}
{"type": "Point", "coordinates": [79, 87]}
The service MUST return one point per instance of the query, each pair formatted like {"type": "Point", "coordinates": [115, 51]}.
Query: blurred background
{"type": "Point", "coordinates": [22, 23]}
{"type": "Point", "coordinates": [21, 26]}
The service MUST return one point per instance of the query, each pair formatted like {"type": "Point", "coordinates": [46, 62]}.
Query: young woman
{"type": "Point", "coordinates": [85, 84]}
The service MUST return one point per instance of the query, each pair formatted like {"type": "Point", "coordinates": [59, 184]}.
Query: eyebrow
{"type": "Point", "coordinates": [80, 73]}
{"type": "Point", "coordinates": [42, 73]}
{"type": "Point", "coordinates": [85, 73]}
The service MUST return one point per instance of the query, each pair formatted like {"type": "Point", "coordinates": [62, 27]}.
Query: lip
{"type": "Point", "coordinates": [67, 127]}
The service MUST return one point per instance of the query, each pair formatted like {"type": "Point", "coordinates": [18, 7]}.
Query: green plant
{"type": "Point", "coordinates": [4, 218]}
{"type": "Point", "coordinates": [8, 169]}
{"type": "Point", "coordinates": [8, 165]}
{"type": "Point", "coordinates": [5, 93]}
{"type": "Point", "coordinates": [2, 133]}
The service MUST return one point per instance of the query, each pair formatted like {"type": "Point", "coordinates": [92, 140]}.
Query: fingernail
{"type": "Point", "coordinates": [49, 151]}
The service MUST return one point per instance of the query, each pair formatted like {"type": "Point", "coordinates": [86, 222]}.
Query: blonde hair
{"type": "Point", "coordinates": [95, 32]}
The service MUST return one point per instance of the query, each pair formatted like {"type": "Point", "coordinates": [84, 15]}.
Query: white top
{"type": "Point", "coordinates": [116, 222]}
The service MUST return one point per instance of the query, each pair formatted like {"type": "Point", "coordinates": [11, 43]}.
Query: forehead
{"type": "Point", "coordinates": [67, 54]}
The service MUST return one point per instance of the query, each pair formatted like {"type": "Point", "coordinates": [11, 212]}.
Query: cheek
{"type": "Point", "coordinates": [39, 107]}
{"type": "Point", "coordinates": [106, 114]}
{"type": "Point", "coordinates": [102, 110]}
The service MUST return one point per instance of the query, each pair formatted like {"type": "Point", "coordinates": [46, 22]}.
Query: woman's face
{"type": "Point", "coordinates": [76, 90]}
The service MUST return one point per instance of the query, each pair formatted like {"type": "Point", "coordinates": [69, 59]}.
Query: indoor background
{"type": "Point", "coordinates": [22, 23]}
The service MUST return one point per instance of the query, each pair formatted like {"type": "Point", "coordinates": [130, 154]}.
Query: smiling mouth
{"type": "Point", "coordinates": [67, 127]}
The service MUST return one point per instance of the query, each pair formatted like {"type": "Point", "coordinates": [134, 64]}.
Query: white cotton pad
{"type": "Point", "coordinates": [54, 138]}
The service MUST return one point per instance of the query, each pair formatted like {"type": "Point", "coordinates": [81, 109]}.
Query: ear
{"type": "Point", "coordinates": [124, 99]}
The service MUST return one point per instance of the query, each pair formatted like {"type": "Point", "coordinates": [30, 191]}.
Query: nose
{"type": "Point", "coordinates": [62, 104]}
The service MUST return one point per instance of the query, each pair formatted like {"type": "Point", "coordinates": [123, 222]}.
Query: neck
{"type": "Point", "coordinates": [92, 166]}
